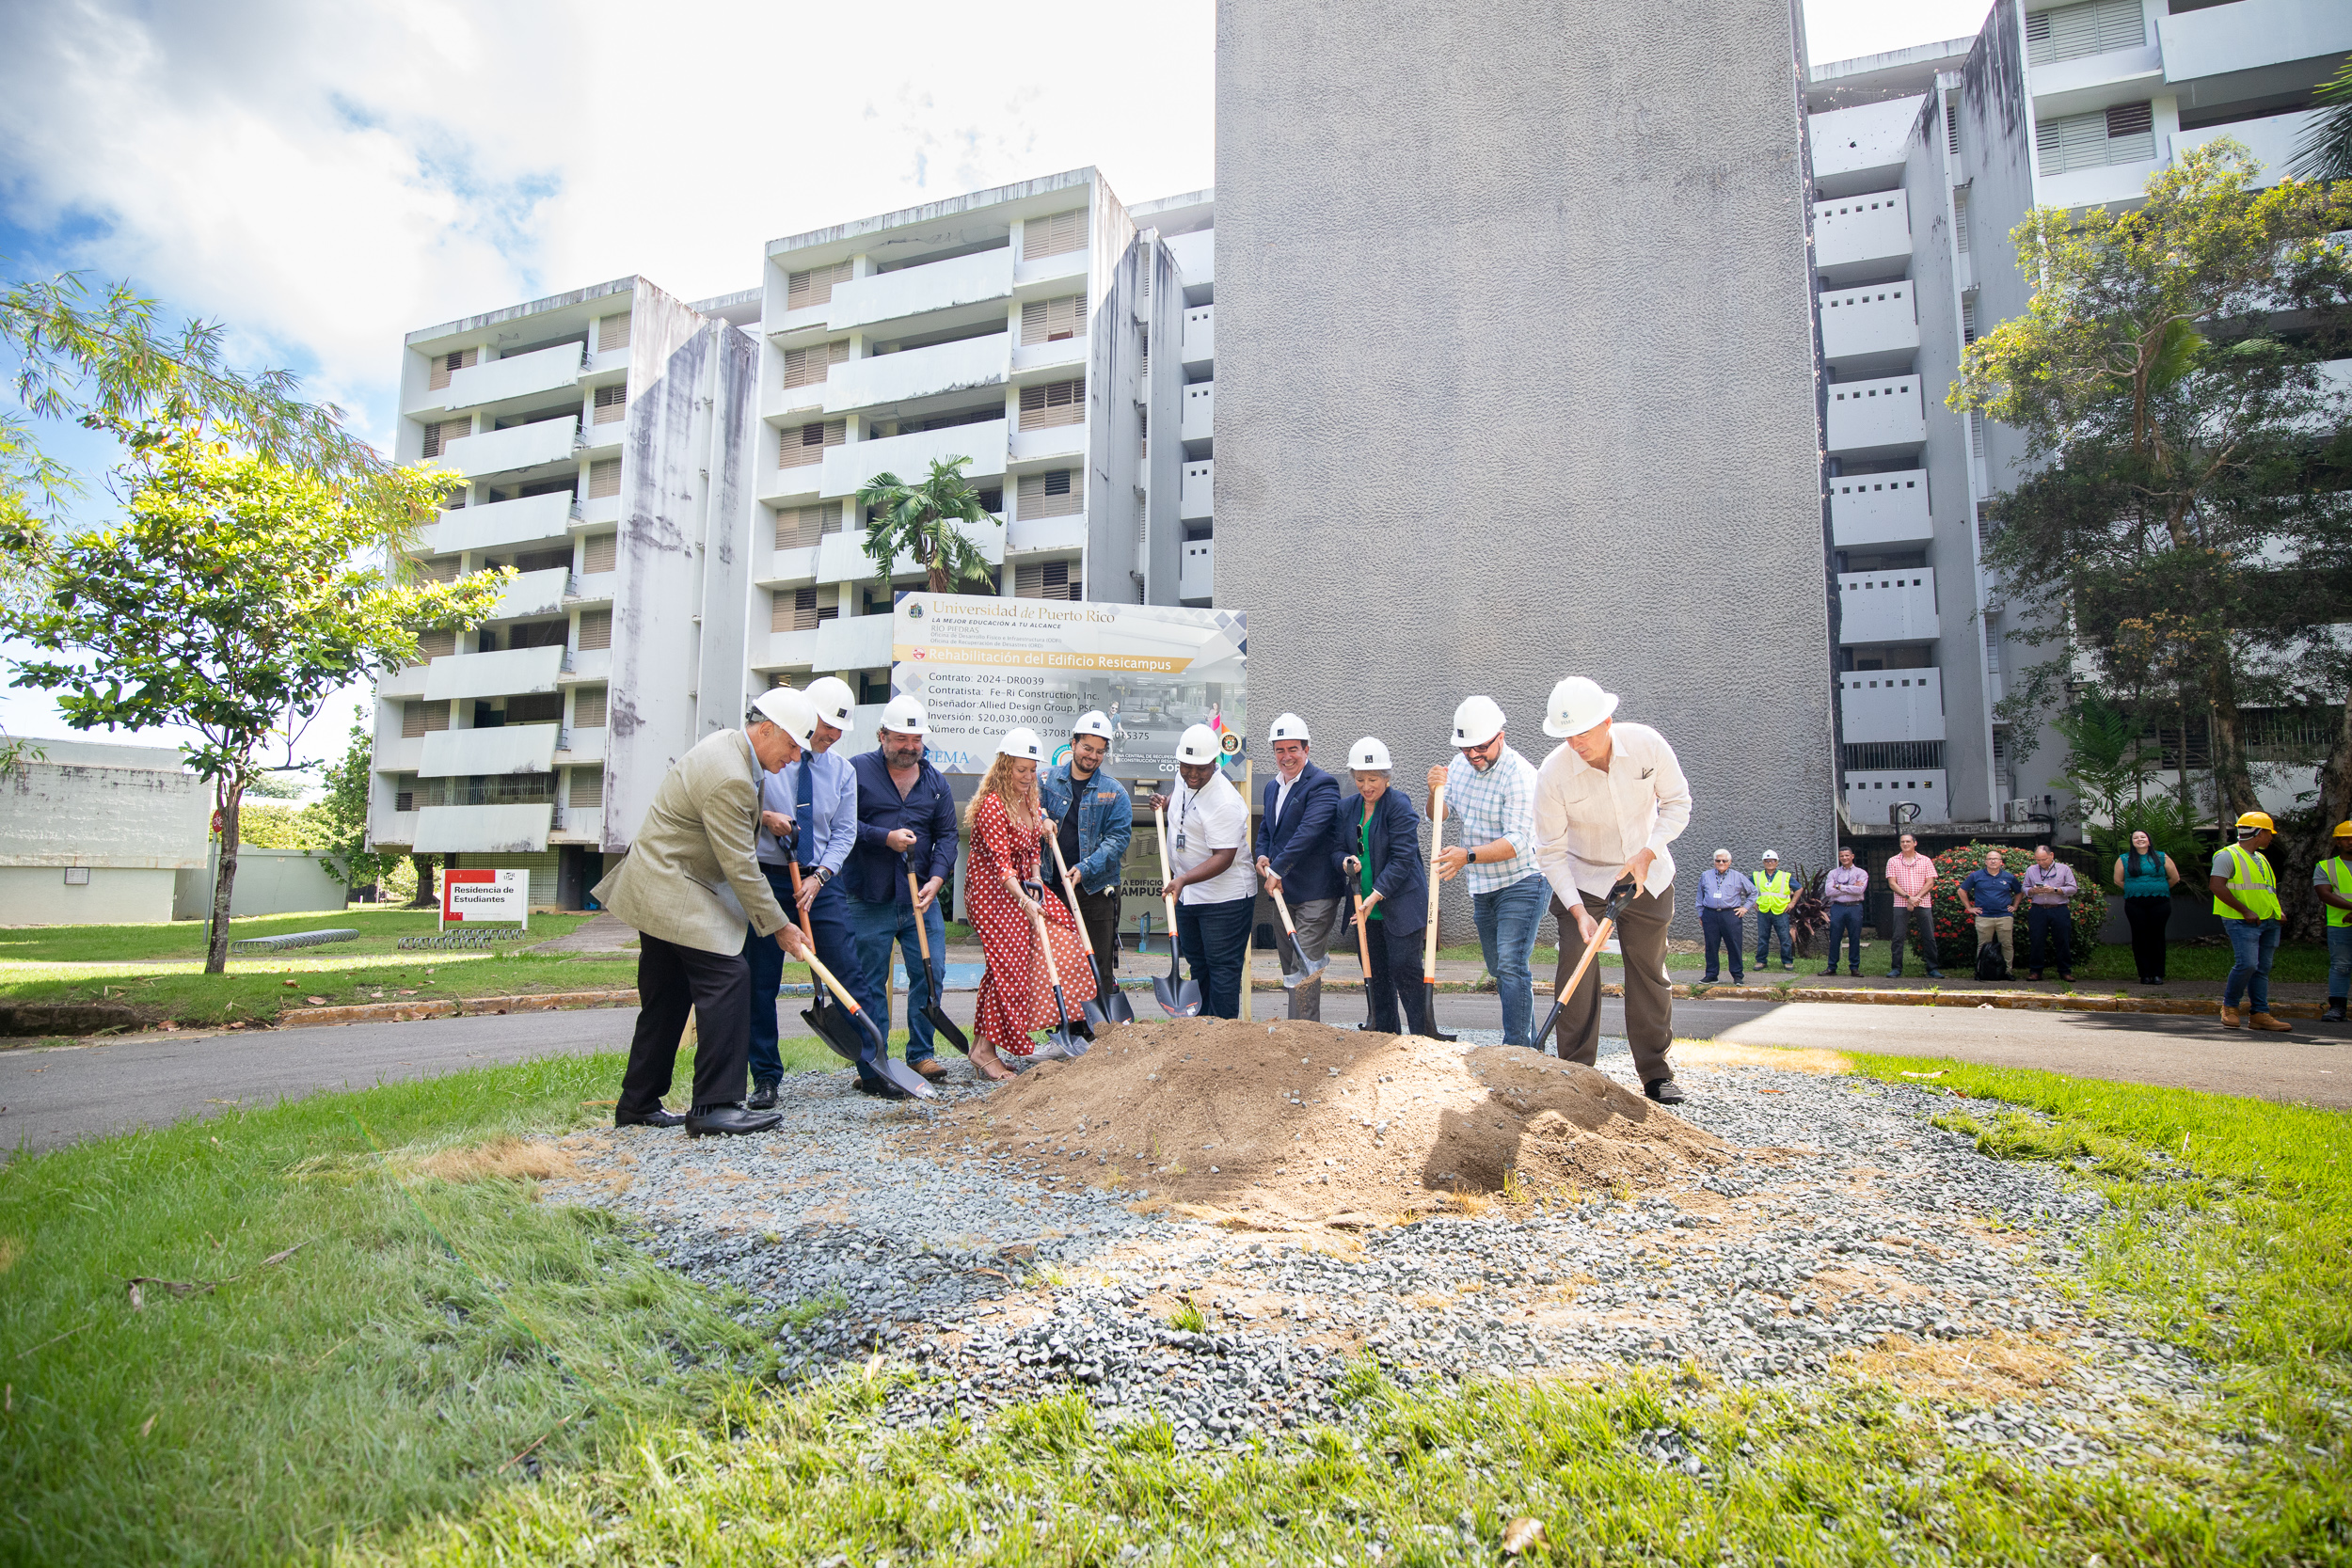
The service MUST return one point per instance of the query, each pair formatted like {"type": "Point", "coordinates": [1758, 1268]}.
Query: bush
{"type": "Point", "coordinates": [1956, 926]}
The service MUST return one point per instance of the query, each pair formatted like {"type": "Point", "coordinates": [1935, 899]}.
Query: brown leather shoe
{"type": "Point", "coordinates": [931, 1067]}
{"type": "Point", "coordinates": [2273, 1026]}
{"type": "Point", "coordinates": [2230, 1019]}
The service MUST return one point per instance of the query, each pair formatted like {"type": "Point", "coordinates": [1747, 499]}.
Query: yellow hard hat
{"type": "Point", "coordinates": [2256, 822]}
{"type": "Point", "coordinates": [2343, 830]}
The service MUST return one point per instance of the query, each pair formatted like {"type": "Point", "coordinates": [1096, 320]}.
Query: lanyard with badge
{"type": "Point", "coordinates": [1183, 813]}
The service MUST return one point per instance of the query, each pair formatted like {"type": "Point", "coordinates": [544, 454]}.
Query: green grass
{"type": "Point", "coordinates": [159, 969]}
{"type": "Point", "coordinates": [362, 1399]}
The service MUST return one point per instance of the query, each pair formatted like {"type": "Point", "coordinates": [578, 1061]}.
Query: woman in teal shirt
{"type": "Point", "coordinates": [2147, 877]}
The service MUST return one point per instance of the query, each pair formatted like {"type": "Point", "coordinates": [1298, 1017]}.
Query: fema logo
{"type": "Point", "coordinates": [1231, 745]}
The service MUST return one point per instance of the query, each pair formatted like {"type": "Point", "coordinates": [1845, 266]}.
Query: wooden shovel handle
{"type": "Point", "coordinates": [1169, 899]}
{"type": "Point", "coordinates": [1363, 933]}
{"type": "Point", "coordinates": [1592, 951]}
{"type": "Point", "coordinates": [922, 926]}
{"type": "Point", "coordinates": [1437, 837]}
{"type": "Point", "coordinates": [1045, 947]}
{"type": "Point", "coordinates": [1284, 910]}
{"type": "Point", "coordinates": [831, 984]}
{"type": "Point", "coordinates": [1070, 891]}
{"type": "Point", "coordinates": [800, 914]}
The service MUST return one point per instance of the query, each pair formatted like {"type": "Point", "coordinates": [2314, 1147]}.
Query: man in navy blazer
{"type": "Point", "coordinates": [1299, 814]}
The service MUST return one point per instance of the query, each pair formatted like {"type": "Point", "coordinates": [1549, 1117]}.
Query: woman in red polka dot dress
{"type": "Point", "coordinates": [1006, 824]}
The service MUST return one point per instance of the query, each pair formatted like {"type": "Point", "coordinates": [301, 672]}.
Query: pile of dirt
{"type": "Point", "coordinates": [1307, 1121]}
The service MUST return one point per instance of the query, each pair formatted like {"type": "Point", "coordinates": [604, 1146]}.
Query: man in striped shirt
{"type": "Point", "coordinates": [1490, 790]}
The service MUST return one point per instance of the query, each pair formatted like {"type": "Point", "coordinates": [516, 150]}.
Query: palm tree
{"type": "Point", "coordinates": [920, 521]}
{"type": "Point", "coordinates": [2325, 150]}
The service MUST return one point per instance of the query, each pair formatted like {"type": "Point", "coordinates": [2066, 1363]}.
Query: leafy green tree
{"type": "Point", "coordinates": [2185, 525]}
{"type": "Point", "coordinates": [920, 521]}
{"type": "Point", "coordinates": [240, 592]}
{"type": "Point", "coordinates": [340, 817]}
{"type": "Point", "coordinates": [105, 361]}
{"type": "Point", "coordinates": [2325, 152]}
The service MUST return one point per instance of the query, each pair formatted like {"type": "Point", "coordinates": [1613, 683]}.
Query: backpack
{"type": "Point", "coordinates": [1990, 965]}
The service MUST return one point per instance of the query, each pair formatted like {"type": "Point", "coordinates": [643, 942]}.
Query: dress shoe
{"type": "Point", "coordinates": [881, 1089]}
{"type": "Point", "coordinates": [1935, 974]}
{"type": "Point", "coordinates": [706, 1121]}
{"type": "Point", "coordinates": [1663, 1090]}
{"type": "Point", "coordinates": [2035, 975]}
{"type": "Point", "coordinates": [2269, 1025]}
{"type": "Point", "coordinates": [763, 1097]}
{"type": "Point", "coordinates": [2336, 1011]}
{"type": "Point", "coordinates": [2230, 1019]}
{"type": "Point", "coordinates": [931, 1067]}
{"type": "Point", "coordinates": [656, 1117]}
{"type": "Point", "coordinates": [2067, 976]}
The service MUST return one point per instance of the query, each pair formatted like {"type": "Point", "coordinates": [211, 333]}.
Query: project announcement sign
{"type": "Point", "coordinates": [982, 666]}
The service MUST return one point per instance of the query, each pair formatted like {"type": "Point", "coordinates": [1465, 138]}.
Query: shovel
{"type": "Point", "coordinates": [1617, 895]}
{"type": "Point", "coordinates": [817, 1001]}
{"type": "Point", "coordinates": [1307, 968]}
{"type": "Point", "coordinates": [1429, 942]}
{"type": "Point", "coordinates": [1363, 952]}
{"type": "Point", "coordinates": [1177, 998]}
{"type": "Point", "coordinates": [938, 973]}
{"type": "Point", "coordinates": [1113, 1007]}
{"type": "Point", "coordinates": [852, 1035]}
{"type": "Point", "coordinates": [1072, 1037]}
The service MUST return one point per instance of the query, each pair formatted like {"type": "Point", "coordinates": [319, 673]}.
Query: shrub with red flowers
{"type": "Point", "coordinates": [1956, 923]}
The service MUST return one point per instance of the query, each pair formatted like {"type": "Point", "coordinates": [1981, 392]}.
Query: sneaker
{"type": "Point", "coordinates": [1894, 973]}
{"type": "Point", "coordinates": [2269, 1025]}
{"type": "Point", "coordinates": [1663, 1090]}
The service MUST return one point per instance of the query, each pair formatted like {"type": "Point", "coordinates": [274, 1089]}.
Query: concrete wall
{"type": "Point", "coordinates": [114, 895]}
{"type": "Point", "coordinates": [269, 882]}
{"type": "Point", "coordinates": [129, 816]}
{"type": "Point", "coordinates": [1497, 457]}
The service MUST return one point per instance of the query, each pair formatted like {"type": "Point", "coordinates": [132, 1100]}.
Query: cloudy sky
{"type": "Point", "coordinates": [324, 178]}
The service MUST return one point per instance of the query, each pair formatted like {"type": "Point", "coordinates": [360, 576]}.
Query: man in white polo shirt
{"type": "Point", "coordinates": [1216, 886]}
{"type": "Point", "coordinates": [1607, 801]}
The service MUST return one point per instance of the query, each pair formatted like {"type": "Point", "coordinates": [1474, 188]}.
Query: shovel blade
{"type": "Point", "coordinates": [948, 1028]}
{"type": "Point", "coordinates": [1429, 1012]}
{"type": "Point", "coordinates": [904, 1077]}
{"type": "Point", "coordinates": [1115, 1006]}
{"type": "Point", "coordinates": [1550, 1018]}
{"type": "Point", "coordinates": [832, 1026]}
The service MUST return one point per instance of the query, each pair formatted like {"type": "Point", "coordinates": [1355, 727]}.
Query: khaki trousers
{"type": "Point", "coordinates": [1641, 935]}
{"type": "Point", "coordinates": [2003, 929]}
{"type": "Point", "coordinates": [1318, 922]}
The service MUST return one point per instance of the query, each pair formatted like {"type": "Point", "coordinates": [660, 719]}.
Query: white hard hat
{"type": "Point", "coordinates": [1576, 705]}
{"type": "Point", "coordinates": [1772, 854]}
{"type": "Point", "coordinates": [904, 716]}
{"type": "Point", "coordinates": [1022, 743]}
{"type": "Point", "coordinates": [1289, 727]}
{"type": "Point", "coordinates": [1095, 723]}
{"type": "Point", "coordinates": [790, 711]}
{"type": "Point", "coordinates": [1367, 754]}
{"type": "Point", "coordinates": [1198, 744]}
{"type": "Point", "coordinates": [1476, 721]}
{"type": "Point", "coordinates": [832, 699]}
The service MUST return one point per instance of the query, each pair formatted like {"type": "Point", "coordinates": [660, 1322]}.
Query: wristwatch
{"type": "Point", "coordinates": [824, 875]}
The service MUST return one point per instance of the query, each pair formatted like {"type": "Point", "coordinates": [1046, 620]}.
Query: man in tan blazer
{"type": "Point", "coordinates": [689, 885]}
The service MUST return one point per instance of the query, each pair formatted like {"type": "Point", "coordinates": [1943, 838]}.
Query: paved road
{"type": "Point", "coordinates": [57, 1096]}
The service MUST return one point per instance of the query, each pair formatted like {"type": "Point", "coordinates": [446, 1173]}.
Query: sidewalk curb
{"type": "Point", "coordinates": [471, 1006]}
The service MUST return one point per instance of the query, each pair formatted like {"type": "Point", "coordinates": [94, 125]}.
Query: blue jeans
{"type": "Point", "coordinates": [1723, 931]}
{"type": "Point", "coordinates": [1766, 924]}
{"type": "Point", "coordinates": [829, 925]}
{"type": "Point", "coordinates": [1507, 921]}
{"type": "Point", "coordinates": [1215, 940]}
{"type": "Point", "coordinates": [1845, 919]}
{"type": "Point", "coordinates": [2254, 943]}
{"type": "Point", "coordinates": [2339, 962]}
{"type": "Point", "coordinates": [873, 927]}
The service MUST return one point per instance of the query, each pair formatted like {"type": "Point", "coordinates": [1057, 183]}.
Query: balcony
{"type": "Point", "coordinates": [580, 746]}
{"type": "Point", "coordinates": [1200, 338]}
{"type": "Point", "coordinates": [1195, 256]}
{"type": "Point", "coordinates": [1871, 328]}
{"type": "Point", "coordinates": [483, 830]}
{"type": "Point", "coordinates": [1199, 420]}
{"type": "Point", "coordinates": [1858, 235]}
{"type": "Point", "coordinates": [548, 370]}
{"type": "Point", "coordinates": [846, 468]}
{"type": "Point", "coordinates": [533, 593]}
{"type": "Point", "coordinates": [509, 749]}
{"type": "Point", "coordinates": [1859, 149]}
{"type": "Point", "coordinates": [795, 565]}
{"type": "Point", "coordinates": [1880, 509]}
{"type": "Point", "coordinates": [1046, 533]}
{"type": "Point", "coordinates": [854, 642]}
{"type": "Point", "coordinates": [842, 558]}
{"type": "Point", "coordinates": [598, 509]}
{"type": "Point", "coordinates": [397, 753]}
{"type": "Point", "coordinates": [579, 825]}
{"type": "Point", "coordinates": [510, 671]}
{"type": "Point", "coordinates": [918, 372]}
{"type": "Point", "coordinates": [1198, 577]}
{"type": "Point", "coordinates": [408, 682]}
{"type": "Point", "coordinates": [1891, 704]}
{"type": "Point", "coordinates": [786, 650]}
{"type": "Point", "coordinates": [1887, 607]}
{"type": "Point", "coordinates": [1196, 502]}
{"type": "Point", "coordinates": [2272, 138]}
{"type": "Point", "coordinates": [499, 525]}
{"type": "Point", "coordinates": [592, 588]}
{"type": "Point", "coordinates": [1053, 441]}
{"type": "Point", "coordinates": [522, 446]}
{"type": "Point", "coordinates": [391, 828]}
{"type": "Point", "coordinates": [589, 665]}
{"type": "Point", "coordinates": [1063, 354]}
{"type": "Point", "coordinates": [1876, 419]}
{"type": "Point", "coordinates": [915, 291]}
{"type": "Point", "coordinates": [1870, 795]}
{"type": "Point", "coordinates": [2217, 40]}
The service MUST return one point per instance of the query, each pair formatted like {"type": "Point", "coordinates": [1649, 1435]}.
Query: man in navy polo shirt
{"type": "Point", "coordinates": [906, 820]}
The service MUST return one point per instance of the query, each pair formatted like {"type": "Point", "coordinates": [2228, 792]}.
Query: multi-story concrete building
{"type": "Point", "coordinates": [1923, 161]}
{"type": "Point", "coordinates": [675, 486]}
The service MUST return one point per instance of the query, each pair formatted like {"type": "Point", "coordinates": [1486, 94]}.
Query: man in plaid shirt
{"type": "Point", "coordinates": [1490, 790]}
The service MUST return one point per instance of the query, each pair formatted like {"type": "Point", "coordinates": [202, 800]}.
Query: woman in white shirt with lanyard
{"type": "Point", "coordinates": [1215, 887]}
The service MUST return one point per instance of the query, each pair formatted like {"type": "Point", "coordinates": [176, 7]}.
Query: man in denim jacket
{"type": "Point", "coordinates": [1093, 837]}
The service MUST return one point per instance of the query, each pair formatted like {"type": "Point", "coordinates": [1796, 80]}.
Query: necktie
{"type": "Point", "coordinates": [804, 818]}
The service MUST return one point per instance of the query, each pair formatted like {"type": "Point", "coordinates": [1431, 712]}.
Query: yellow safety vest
{"type": "Point", "coordinates": [2253, 881]}
{"type": "Point", "coordinates": [1773, 892]}
{"type": "Point", "coordinates": [2341, 870]}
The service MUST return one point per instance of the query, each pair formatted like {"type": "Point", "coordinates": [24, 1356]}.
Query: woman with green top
{"type": "Point", "coordinates": [1379, 856]}
{"type": "Point", "coordinates": [2147, 877]}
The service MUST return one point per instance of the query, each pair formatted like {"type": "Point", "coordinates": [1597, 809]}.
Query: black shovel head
{"type": "Point", "coordinates": [833, 1026]}
{"type": "Point", "coordinates": [874, 1053]}
{"type": "Point", "coordinates": [1429, 1012]}
{"type": "Point", "coordinates": [1110, 1001]}
{"type": "Point", "coordinates": [946, 1027]}
{"type": "Point", "coordinates": [1177, 998]}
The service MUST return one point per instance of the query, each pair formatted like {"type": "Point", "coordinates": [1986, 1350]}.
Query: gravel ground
{"type": "Point", "coordinates": [1848, 1226]}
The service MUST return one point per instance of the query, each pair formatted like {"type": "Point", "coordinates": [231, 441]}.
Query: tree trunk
{"type": "Point", "coordinates": [231, 793]}
{"type": "Point", "coordinates": [2309, 841]}
{"type": "Point", "coordinates": [428, 897]}
{"type": "Point", "coordinates": [2233, 780]}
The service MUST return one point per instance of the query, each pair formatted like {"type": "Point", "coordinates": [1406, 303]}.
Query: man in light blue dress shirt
{"type": "Point", "coordinates": [809, 815]}
{"type": "Point", "coordinates": [1725, 895]}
